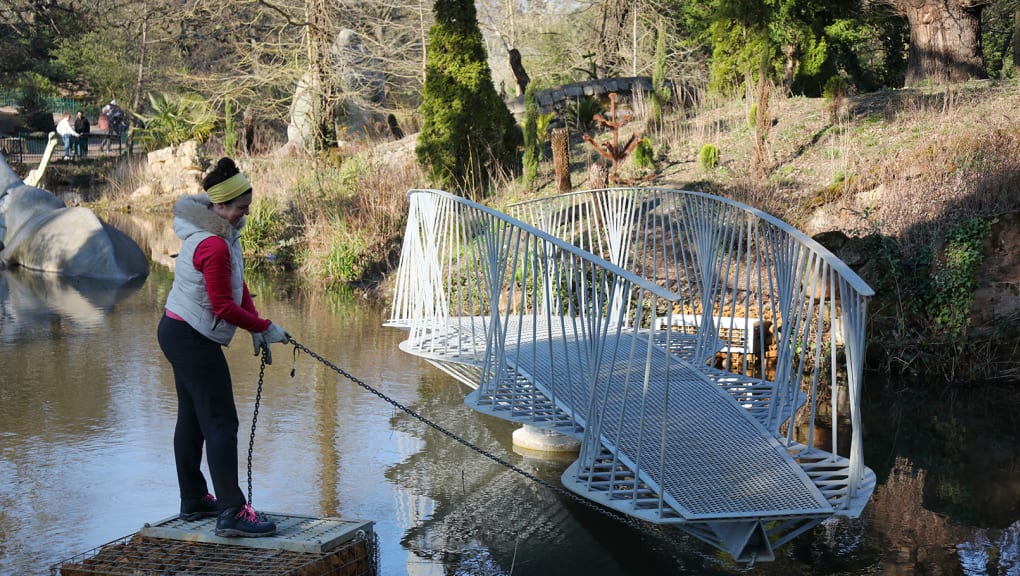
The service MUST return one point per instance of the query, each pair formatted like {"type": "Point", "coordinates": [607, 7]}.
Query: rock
{"type": "Point", "coordinates": [998, 283]}
{"type": "Point", "coordinates": [176, 170]}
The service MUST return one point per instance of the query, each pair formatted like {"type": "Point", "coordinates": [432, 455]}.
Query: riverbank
{"type": "Point", "coordinates": [886, 180]}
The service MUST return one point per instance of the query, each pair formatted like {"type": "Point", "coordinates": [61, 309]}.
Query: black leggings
{"type": "Point", "coordinates": [205, 413]}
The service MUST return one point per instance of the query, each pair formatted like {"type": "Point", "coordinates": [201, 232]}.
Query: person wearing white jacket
{"type": "Point", "coordinates": [208, 302]}
{"type": "Point", "coordinates": [66, 132]}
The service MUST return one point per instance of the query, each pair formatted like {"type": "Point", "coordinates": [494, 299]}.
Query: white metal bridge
{"type": "Point", "coordinates": [707, 355]}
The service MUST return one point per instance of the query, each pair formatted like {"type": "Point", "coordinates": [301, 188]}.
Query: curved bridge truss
{"type": "Point", "coordinates": [707, 355]}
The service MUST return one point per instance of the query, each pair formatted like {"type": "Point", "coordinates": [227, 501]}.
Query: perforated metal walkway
{"type": "Point", "coordinates": [731, 466]}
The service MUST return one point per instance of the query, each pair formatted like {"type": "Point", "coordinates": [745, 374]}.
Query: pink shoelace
{"type": "Point", "coordinates": [249, 514]}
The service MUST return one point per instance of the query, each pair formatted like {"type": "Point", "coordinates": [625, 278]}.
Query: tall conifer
{"type": "Point", "coordinates": [468, 133]}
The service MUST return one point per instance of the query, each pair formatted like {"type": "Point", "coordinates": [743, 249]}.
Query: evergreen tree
{"type": "Point", "coordinates": [802, 44]}
{"type": "Point", "coordinates": [468, 133]}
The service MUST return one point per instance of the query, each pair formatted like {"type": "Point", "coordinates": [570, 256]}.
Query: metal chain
{"type": "Point", "coordinates": [630, 521]}
{"type": "Point", "coordinates": [622, 518]}
{"type": "Point", "coordinates": [255, 419]}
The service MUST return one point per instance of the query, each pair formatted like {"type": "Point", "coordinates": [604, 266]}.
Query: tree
{"type": "Point", "coordinates": [468, 133]}
{"type": "Point", "coordinates": [803, 43]}
{"type": "Point", "coordinates": [998, 37]}
{"type": "Point", "coordinates": [945, 39]}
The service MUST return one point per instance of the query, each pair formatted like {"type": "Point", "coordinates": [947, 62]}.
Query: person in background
{"type": "Point", "coordinates": [104, 127]}
{"type": "Point", "coordinates": [82, 126]}
{"type": "Point", "coordinates": [208, 301]}
{"type": "Point", "coordinates": [111, 120]}
{"type": "Point", "coordinates": [67, 134]}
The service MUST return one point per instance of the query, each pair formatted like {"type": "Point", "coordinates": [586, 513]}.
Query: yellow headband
{"type": "Point", "coordinates": [229, 189]}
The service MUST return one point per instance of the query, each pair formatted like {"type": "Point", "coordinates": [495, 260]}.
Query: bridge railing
{"type": "Point", "coordinates": [771, 301]}
{"type": "Point", "coordinates": [583, 272]}
{"type": "Point", "coordinates": [477, 287]}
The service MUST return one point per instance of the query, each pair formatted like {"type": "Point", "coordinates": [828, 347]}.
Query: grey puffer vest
{"type": "Point", "coordinates": [194, 221]}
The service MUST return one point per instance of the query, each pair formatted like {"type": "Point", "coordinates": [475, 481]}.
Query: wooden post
{"type": "Point", "coordinates": [561, 158]}
{"type": "Point", "coordinates": [249, 130]}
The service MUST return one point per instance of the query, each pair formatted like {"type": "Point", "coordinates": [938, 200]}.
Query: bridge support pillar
{"type": "Point", "coordinates": [540, 440]}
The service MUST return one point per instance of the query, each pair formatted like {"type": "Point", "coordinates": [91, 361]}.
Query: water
{"type": "Point", "coordinates": [87, 410]}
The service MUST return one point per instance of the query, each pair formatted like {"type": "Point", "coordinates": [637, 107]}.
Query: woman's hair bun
{"type": "Point", "coordinates": [225, 168]}
{"type": "Point", "coordinates": [226, 165]}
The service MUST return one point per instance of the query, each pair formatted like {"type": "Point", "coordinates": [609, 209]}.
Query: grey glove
{"type": "Point", "coordinates": [275, 334]}
{"type": "Point", "coordinates": [258, 342]}
{"type": "Point", "coordinates": [263, 339]}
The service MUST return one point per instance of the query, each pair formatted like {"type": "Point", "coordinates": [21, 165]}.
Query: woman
{"type": "Point", "coordinates": [208, 301]}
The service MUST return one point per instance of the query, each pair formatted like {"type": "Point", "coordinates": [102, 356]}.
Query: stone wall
{"type": "Point", "coordinates": [175, 170]}
{"type": "Point", "coordinates": [557, 99]}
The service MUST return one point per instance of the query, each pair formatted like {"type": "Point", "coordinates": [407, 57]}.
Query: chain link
{"type": "Point", "coordinates": [298, 347]}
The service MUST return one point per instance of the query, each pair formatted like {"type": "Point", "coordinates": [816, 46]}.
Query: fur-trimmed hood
{"type": "Point", "coordinates": [193, 213]}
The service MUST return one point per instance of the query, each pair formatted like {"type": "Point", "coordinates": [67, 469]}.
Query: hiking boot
{"type": "Point", "coordinates": [204, 507]}
{"type": "Point", "coordinates": [242, 521]}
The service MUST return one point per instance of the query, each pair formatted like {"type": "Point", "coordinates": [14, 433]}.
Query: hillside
{"type": "Point", "coordinates": [879, 151]}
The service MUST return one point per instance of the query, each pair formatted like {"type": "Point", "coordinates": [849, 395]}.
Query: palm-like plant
{"type": "Point", "coordinates": [176, 119]}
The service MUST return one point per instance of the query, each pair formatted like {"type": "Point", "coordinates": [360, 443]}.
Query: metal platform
{"type": "Point", "coordinates": [294, 533]}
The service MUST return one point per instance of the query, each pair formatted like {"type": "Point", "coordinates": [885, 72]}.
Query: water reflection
{"type": "Point", "coordinates": [86, 421]}
{"type": "Point", "coordinates": [39, 305]}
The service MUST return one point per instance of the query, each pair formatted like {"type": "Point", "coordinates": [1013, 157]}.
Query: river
{"type": "Point", "coordinates": [87, 409]}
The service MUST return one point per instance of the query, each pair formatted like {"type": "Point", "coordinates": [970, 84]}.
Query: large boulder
{"type": "Point", "coordinates": [39, 232]}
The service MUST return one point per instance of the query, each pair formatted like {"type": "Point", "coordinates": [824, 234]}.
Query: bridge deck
{"type": "Point", "coordinates": [719, 463]}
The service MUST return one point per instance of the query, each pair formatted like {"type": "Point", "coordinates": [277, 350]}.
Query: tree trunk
{"type": "Point", "coordinates": [1016, 42]}
{"type": "Point", "coordinates": [945, 40]}
{"type": "Point", "coordinates": [561, 158]}
{"type": "Point", "coordinates": [520, 75]}
{"type": "Point", "coordinates": [249, 131]}
{"type": "Point", "coordinates": [598, 178]}
{"type": "Point", "coordinates": [609, 34]}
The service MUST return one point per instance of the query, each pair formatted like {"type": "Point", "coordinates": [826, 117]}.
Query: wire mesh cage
{"type": "Point", "coordinates": [139, 555]}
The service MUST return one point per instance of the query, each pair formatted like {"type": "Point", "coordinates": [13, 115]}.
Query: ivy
{"type": "Point", "coordinates": [955, 277]}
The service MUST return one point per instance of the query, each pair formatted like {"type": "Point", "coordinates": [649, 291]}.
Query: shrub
{"type": "Point", "coordinates": [468, 133]}
{"type": "Point", "coordinates": [542, 126]}
{"type": "Point", "coordinates": [835, 93]}
{"type": "Point", "coordinates": [955, 277]}
{"type": "Point", "coordinates": [581, 113]}
{"type": "Point", "coordinates": [644, 154]}
{"type": "Point", "coordinates": [176, 119]}
{"type": "Point", "coordinates": [708, 158]}
{"type": "Point", "coordinates": [32, 94]}
{"type": "Point", "coordinates": [532, 152]}
{"type": "Point", "coordinates": [263, 238]}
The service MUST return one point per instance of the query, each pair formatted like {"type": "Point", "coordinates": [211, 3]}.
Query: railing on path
{"type": "Point", "coordinates": [613, 316]}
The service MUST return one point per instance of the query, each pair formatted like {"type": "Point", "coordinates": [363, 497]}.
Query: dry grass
{"type": "Point", "coordinates": [345, 213]}
{"type": "Point", "coordinates": [904, 163]}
